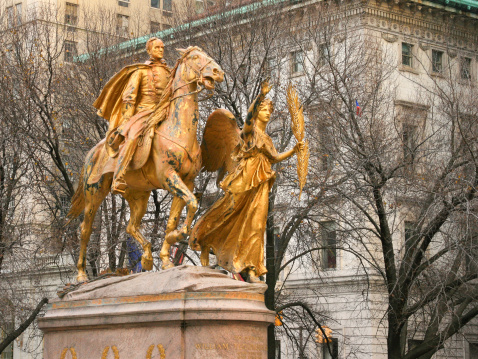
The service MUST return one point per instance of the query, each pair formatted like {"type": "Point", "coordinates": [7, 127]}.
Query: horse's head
{"type": "Point", "coordinates": [201, 67]}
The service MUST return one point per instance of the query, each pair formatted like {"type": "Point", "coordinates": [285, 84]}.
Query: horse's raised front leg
{"type": "Point", "coordinates": [93, 198]}
{"type": "Point", "coordinates": [138, 203]}
{"type": "Point", "coordinates": [183, 192]}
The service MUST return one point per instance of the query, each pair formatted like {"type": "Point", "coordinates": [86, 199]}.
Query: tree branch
{"type": "Point", "coordinates": [16, 333]}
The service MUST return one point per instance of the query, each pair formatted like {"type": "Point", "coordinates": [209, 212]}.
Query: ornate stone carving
{"type": "Point", "coordinates": [424, 46]}
{"type": "Point", "coordinates": [115, 352]}
{"type": "Point", "coordinates": [66, 350]}
{"type": "Point", "coordinates": [452, 53]}
{"type": "Point", "coordinates": [162, 352]}
{"type": "Point", "coordinates": [389, 37]}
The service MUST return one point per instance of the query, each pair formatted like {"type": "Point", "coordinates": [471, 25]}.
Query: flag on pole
{"type": "Point", "coordinates": [359, 110]}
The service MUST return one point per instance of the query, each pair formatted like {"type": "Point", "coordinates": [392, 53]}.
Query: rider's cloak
{"type": "Point", "coordinates": [110, 101]}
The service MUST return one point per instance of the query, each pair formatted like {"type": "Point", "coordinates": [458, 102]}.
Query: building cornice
{"type": "Point", "coordinates": [396, 22]}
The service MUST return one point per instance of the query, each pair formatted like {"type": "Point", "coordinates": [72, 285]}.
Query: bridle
{"type": "Point", "coordinates": [197, 78]}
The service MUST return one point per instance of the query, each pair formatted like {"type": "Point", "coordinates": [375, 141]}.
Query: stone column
{"type": "Point", "coordinates": [184, 312]}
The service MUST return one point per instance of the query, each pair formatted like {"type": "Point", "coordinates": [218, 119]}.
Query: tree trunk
{"type": "Point", "coordinates": [393, 339]}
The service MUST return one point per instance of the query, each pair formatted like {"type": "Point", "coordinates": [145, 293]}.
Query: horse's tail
{"type": "Point", "coordinates": [78, 200]}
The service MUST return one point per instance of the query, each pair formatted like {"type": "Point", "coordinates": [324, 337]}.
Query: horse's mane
{"type": "Point", "coordinates": [162, 110]}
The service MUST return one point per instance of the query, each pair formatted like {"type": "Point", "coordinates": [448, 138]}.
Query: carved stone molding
{"type": "Point", "coordinates": [423, 46]}
{"type": "Point", "coordinates": [428, 25]}
{"type": "Point", "coordinates": [389, 37]}
{"type": "Point", "coordinates": [452, 53]}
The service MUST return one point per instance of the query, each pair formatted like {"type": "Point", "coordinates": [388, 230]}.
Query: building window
{"type": "Point", "coordinates": [123, 3]}
{"type": "Point", "coordinates": [64, 205]}
{"type": "Point", "coordinates": [408, 232]}
{"type": "Point", "coordinates": [8, 351]}
{"type": "Point", "coordinates": [67, 130]}
{"type": "Point", "coordinates": [10, 17]}
{"type": "Point", "coordinates": [155, 4]}
{"type": "Point", "coordinates": [199, 6]}
{"type": "Point", "coordinates": [278, 351]}
{"type": "Point", "coordinates": [168, 5]}
{"type": "Point", "coordinates": [11, 206]}
{"type": "Point", "coordinates": [70, 51]}
{"type": "Point", "coordinates": [465, 68]}
{"type": "Point", "coordinates": [18, 14]}
{"type": "Point", "coordinates": [326, 147]}
{"type": "Point", "coordinates": [122, 25]}
{"type": "Point", "coordinates": [14, 15]}
{"type": "Point", "coordinates": [409, 142]}
{"type": "Point", "coordinates": [166, 26]}
{"type": "Point", "coordinates": [328, 234]}
{"type": "Point", "coordinates": [334, 346]}
{"type": "Point", "coordinates": [473, 351]}
{"type": "Point", "coordinates": [297, 62]}
{"type": "Point", "coordinates": [407, 54]}
{"type": "Point", "coordinates": [323, 54]}
{"type": "Point", "coordinates": [155, 27]}
{"type": "Point", "coordinates": [270, 67]}
{"type": "Point", "coordinates": [437, 61]}
{"type": "Point", "coordinates": [71, 14]}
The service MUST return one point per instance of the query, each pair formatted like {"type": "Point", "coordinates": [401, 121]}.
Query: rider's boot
{"type": "Point", "coordinates": [119, 184]}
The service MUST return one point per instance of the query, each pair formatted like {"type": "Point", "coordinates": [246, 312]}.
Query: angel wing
{"type": "Point", "coordinates": [221, 136]}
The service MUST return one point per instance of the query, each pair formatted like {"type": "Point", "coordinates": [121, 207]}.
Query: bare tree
{"type": "Point", "coordinates": [409, 186]}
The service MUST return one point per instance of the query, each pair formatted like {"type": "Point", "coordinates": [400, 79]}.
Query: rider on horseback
{"type": "Point", "coordinates": [126, 102]}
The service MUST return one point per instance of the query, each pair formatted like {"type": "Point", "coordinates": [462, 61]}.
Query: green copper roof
{"type": "Point", "coordinates": [463, 5]}
{"type": "Point", "coordinates": [470, 6]}
{"type": "Point", "coordinates": [169, 33]}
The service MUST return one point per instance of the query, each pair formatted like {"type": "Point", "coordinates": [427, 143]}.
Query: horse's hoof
{"type": "Point", "coordinates": [82, 277]}
{"type": "Point", "coordinates": [167, 265]}
{"type": "Point", "coordinates": [253, 278]}
{"type": "Point", "coordinates": [146, 263]}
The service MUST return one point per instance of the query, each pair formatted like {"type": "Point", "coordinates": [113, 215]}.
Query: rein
{"type": "Point", "coordinates": [196, 79]}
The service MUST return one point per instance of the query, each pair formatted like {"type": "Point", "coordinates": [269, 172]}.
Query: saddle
{"type": "Point", "coordinates": [102, 163]}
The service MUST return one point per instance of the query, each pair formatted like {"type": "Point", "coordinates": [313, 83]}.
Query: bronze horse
{"type": "Point", "coordinates": [173, 163]}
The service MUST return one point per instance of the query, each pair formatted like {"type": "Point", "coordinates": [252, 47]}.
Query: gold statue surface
{"type": "Point", "coordinates": [151, 144]}
{"type": "Point", "coordinates": [234, 226]}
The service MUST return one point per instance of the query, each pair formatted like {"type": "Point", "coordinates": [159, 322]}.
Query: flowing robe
{"type": "Point", "coordinates": [234, 226]}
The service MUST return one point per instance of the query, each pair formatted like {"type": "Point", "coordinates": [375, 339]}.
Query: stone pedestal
{"type": "Point", "coordinates": [184, 312]}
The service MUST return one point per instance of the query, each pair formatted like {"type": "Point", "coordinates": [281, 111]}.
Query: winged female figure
{"type": "Point", "coordinates": [234, 226]}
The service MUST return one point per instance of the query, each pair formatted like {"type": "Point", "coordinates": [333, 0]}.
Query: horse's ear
{"type": "Point", "coordinates": [181, 51]}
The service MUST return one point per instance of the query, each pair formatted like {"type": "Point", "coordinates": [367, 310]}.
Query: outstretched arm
{"type": "Point", "coordinates": [254, 108]}
{"type": "Point", "coordinates": [285, 155]}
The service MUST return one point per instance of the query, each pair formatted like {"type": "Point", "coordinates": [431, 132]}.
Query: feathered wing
{"type": "Point", "coordinates": [221, 136]}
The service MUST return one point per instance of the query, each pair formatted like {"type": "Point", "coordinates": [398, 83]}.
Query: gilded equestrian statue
{"type": "Point", "coordinates": [168, 136]}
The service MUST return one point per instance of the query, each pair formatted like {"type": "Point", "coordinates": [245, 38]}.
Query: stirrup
{"type": "Point", "coordinates": [118, 186]}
